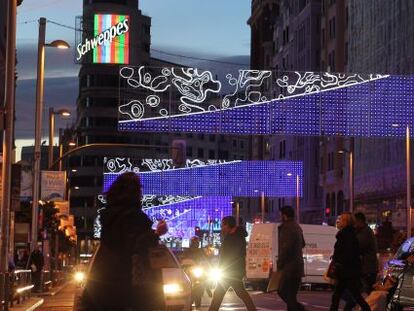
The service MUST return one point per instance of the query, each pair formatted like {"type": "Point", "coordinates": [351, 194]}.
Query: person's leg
{"type": "Point", "coordinates": [292, 292]}
{"type": "Point", "coordinates": [242, 293]}
{"type": "Point", "coordinates": [368, 282]}
{"type": "Point", "coordinates": [218, 296]}
{"type": "Point", "coordinates": [337, 294]}
{"type": "Point", "coordinates": [349, 299]}
{"type": "Point", "coordinates": [354, 289]}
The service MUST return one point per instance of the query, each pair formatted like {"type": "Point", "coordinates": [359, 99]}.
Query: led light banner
{"type": "Point", "coordinates": [182, 217]}
{"type": "Point", "coordinates": [235, 178]}
{"type": "Point", "coordinates": [108, 42]}
{"type": "Point", "coordinates": [265, 102]}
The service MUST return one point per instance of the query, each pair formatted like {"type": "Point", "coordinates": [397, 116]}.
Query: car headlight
{"type": "Point", "coordinates": [172, 289]}
{"type": "Point", "coordinates": [198, 272]}
{"type": "Point", "coordinates": [216, 274]}
{"type": "Point", "coordinates": [79, 276]}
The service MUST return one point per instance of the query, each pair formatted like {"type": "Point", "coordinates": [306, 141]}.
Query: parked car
{"type": "Point", "coordinates": [397, 264]}
{"type": "Point", "coordinates": [401, 267]}
{"type": "Point", "coordinates": [175, 283]}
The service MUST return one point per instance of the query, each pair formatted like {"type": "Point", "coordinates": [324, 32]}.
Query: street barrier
{"type": "Point", "coordinates": [20, 286]}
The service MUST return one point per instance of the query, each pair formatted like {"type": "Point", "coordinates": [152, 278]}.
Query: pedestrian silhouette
{"type": "Point", "coordinates": [347, 262]}
{"type": "Point", "coordinates": [290, 263]}
{"type": "Point", "coordinates": [232, 263]}
{"type": "Point", "coordinates": [126, 232]}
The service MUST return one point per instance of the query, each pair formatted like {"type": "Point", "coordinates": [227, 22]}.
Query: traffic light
{"type": "Point", "coordinates": [198, 232]}
{"type": "Point", "coordinates": [327, 212]}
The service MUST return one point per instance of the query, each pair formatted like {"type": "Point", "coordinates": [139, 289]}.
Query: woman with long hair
{"type": "Point", "coordinates": [126, 231]}
{"type": "Point", "coordinates": [347, 262]}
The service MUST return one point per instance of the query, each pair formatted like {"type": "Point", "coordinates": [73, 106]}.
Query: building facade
{"type": "Point", "coordinates": [382, 42]}
{"type": "Point", "coordinates": [289, 41]}
{"type": "Point", "coordinates": [97, 111]}
{"type": "Point", "coordinates": [334, 151]}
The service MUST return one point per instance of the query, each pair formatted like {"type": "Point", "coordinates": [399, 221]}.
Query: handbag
{"type": "Point", "coordinates": [332, 271]}
{"type": "Point", "coordinates": [331, 275]}
{"type": "Point", "coordinates": [275, 281]}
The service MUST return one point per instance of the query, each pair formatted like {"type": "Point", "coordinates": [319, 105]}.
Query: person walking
{"type": "Point", "coordinates": [36, 262]}
{"type": "Point", "coordinates": [126, 232]}
{"type": "Point", "coordinates": [368, 249]}
{"type": "Point", "coordinates": [232, 262]}
{"type": "Point", "coordinates": [290, 259]}
{"type": "Point", "coordinates": [347, 262]}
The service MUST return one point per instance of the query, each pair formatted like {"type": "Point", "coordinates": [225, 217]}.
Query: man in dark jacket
{"type": "Point", "coordinates": [36, 263]}
{"type": "Point", "coordinates": [232, 263]}
{"type": "Point", "coordinates": [290, 259]}
{"type": "Point", "coordinates": [368, 249]}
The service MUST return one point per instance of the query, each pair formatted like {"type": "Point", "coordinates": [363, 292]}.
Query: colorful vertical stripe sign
{"type": "Point", "coordinates": [115, 51]}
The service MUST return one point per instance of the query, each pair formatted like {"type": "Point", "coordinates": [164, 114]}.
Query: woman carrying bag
{"type": "Point", "coordinates": [126, 236]}
{"type": "Point", "coordinates": [347, 264]}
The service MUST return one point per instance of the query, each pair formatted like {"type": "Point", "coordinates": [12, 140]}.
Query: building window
{"type": "Point", "coordinates": [189, 151]}
{"type": "Point", "coordinates": [212, 138]}
{"type": "Point", "coordinates": [333, 203]}
{"type": "Point", "coordinates": [211, 154]}
{"type": "Point", "coordinates": [282, 149]}
{"type": "Point", "coordinates": [200, 153]}
{"type": "Point", "coordinates": [340, 206]}
{"type": "Point", "coordinates": [332, 28]}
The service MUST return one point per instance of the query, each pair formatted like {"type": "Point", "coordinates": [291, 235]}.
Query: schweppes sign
{"type": "Point", "coordinates": [110, 44]}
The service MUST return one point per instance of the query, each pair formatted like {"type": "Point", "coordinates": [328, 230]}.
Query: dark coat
{"type": "Point", "coordinates": [290, 249]}
{"type": "Point", "coordinates": [36, 258]}
{"type": "Point", "coordinates": [124, 233]}
{"type": "Point", "coordinates": [368, 249]}
{"type": "Point", "coordinates": [346, 255]}
{"type": "Point", "coordinates": [233, 254]}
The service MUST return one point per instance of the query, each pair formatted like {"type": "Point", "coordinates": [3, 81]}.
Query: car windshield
{"type": "Point", "coordinates": [406, 247]}
{"type": "Point", "coordinates": [161, 257]}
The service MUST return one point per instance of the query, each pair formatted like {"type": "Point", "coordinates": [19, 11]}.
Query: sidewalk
{"type": "Point", "coordinates": [59, 299]}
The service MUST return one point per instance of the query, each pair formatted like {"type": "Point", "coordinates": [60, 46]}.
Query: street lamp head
{"type": "Point", "coordinates": [289, 174]}
{"type": "Point", "coordinates": [63, 113]}
{"type": "Point", "coordinates": [60, 44]}
{"type": "Point", "coordinates": [395, 125]}
{"type": "Point", "coordinates": [72, 144]}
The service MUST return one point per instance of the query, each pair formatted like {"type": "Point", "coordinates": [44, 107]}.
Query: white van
{"type": "Point", "coordinates": [262, 252]}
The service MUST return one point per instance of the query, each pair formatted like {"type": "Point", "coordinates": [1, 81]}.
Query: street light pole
{"type": "Point", "coordinates": [351, 182]}
{"type": "Point", "coordinates": [51, 134]}
{"type": "Point", "coordinates": [262, 203]}
{"type": "Point", "coordinates": [408, 171]}
{"type": "Point", "coordinates": [8, 134]}
{"type": "Point", "coordinates": [38, 128]}
{"type": "Point", "coordinates": [297, 199]}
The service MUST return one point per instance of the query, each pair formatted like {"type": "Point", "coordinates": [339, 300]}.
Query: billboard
{"type": "Point", "coordinates": [109, 41]}
{"type": "Point", "coordinates": [53, 185]}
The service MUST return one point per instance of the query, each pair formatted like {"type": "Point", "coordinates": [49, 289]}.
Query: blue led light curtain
{"type": "Point", "coordinates": [235, 178]}
{"type": "Point", "coordinates": [183, 216]}
{"type": "Point", "coordinates": [265, 102]}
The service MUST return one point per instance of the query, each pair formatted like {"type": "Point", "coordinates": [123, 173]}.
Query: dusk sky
{"type": "Point", "coordinates": [213, 29]}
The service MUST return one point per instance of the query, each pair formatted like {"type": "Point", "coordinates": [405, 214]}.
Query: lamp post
{"type": "Point", "coordinates": [8, 105]}
{"type": "Point", "coordinates": [351, 178]}
{"type": "Point", "coordinates": [408, 169]}
{"type": "Point", "coordinates": [38, 120]}
{"type": "Point", "coordinates": [52, 113]}
{"type": "Point", "coordinates": [297, 194]}
{"type": "Point", "coordinates": [408, 174]}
